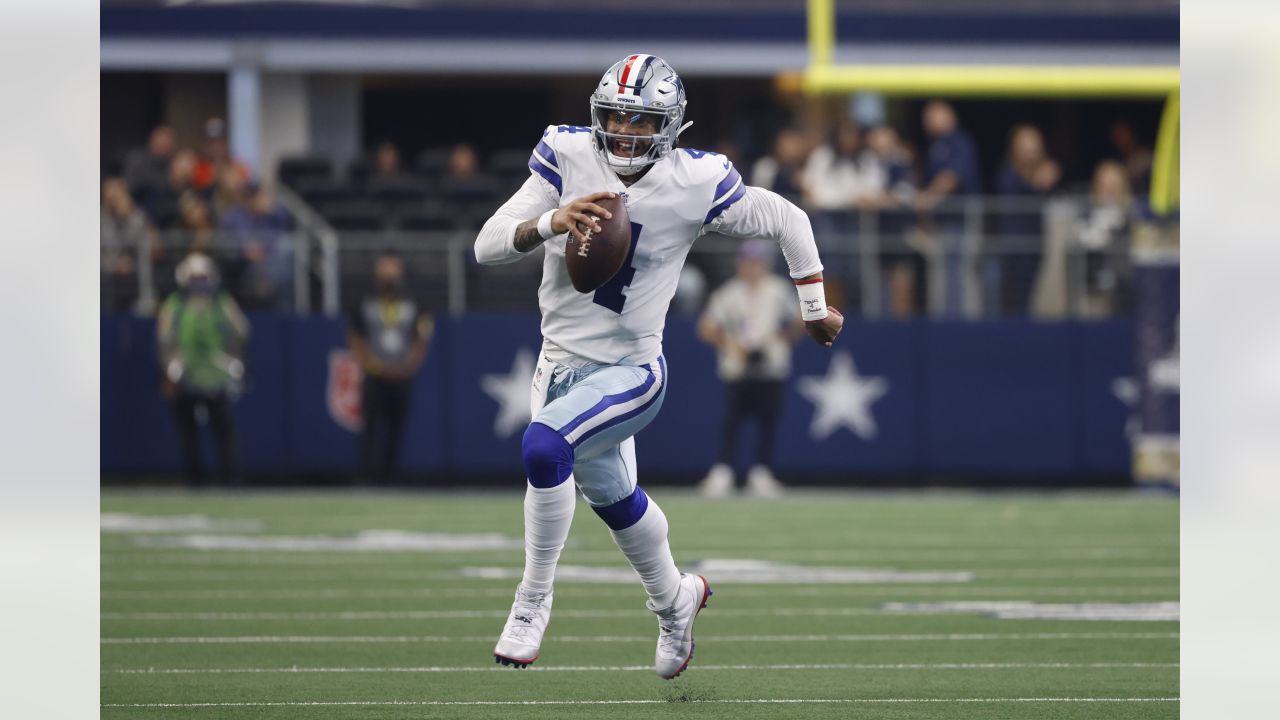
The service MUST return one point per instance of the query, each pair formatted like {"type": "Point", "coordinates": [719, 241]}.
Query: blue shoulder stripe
{"type": "Point", "coordinates": [731, 182]}
{"type": "Point", "coordinates": [546, 173]}
{"type": "Point", "coordinates": [547, 154]}
{"type": "Point", "coordinates": [726, 184]}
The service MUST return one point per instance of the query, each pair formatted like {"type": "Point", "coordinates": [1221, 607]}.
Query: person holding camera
{"type": "Point", "coordinates": [751, 322]}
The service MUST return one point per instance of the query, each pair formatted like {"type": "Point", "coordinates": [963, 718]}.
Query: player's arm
{"type": "Point", "coordinates": [756, 212]}
{"type": "Point", "coordinates": [513, 229]}
{"type": "Point", "coordinates": [531, 217]}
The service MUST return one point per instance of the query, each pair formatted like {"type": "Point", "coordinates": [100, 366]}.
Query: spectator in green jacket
{"type": "Point", "coordinates": [201, 336]}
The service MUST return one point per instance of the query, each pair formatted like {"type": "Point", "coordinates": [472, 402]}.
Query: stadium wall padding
{"type": "Point", "coordinates": [997, 398]}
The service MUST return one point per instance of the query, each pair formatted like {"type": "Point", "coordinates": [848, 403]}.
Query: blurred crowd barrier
{"type": "Point", "coordinates": [971, 258]}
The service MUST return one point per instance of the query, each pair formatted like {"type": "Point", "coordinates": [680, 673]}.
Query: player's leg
{"type": "Point", "coordinates": [639, 527]}
{"type": "Point", "coordinates": [548, 514]}
{"type": "Point", "coordinates": [579, 433]}
{"type": "Point", "coordinates": [605, 471]}
{"type": "Point", "coordinates": [591, 411]}
{"type": "Point", "coordinates": [637, 524]}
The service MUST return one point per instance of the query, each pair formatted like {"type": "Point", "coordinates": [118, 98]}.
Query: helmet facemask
{"type": "Point", "coordinates": [628, 139]}
{"type": "Point", "coordinates": [636, 113]}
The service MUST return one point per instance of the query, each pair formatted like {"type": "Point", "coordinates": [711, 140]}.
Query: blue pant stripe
{"type": "Point", "coordinates": [609, 401]}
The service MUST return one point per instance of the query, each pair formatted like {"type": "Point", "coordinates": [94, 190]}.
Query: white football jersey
{"type": "Point", "coordinates": [622, 321]}
{"type": "Point", "coordinates": [683, 195]}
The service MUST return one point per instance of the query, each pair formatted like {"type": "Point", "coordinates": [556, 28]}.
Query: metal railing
{"type": "Point", "coordinates": [971, 258]}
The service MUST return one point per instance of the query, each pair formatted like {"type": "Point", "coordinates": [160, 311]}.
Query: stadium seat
{"type": "Point", "coordinates": [293, 170]}
{"type": "Point", "coordinates": [510, 161]}
{"type": "Point", "coordinates": [358, 171]}
{"type": "Point", "coordinates": [355, 215]}
{"type": "Point", "coordinates": [432, 162]}
{"type": "Point", "coordinates": [324, 191]}
{"type": "Point", "coordinates": [428, 219]}
{"type": "Point", "coordinates": [480, 189]}
{"type": "Point", "coordinates": [397, 190]}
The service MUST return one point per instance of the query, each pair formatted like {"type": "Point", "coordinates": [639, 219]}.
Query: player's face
{"type": "Point", "coordinates": [642, 125]}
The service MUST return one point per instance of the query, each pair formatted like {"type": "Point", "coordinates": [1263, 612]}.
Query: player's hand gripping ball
{"type": "Point", "coordinates": [599, 238]}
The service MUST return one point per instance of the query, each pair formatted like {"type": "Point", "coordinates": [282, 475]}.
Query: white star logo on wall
{"type": "Point", "coordinates": [511, 391]}
{"type": "Point", "coordinates": [842, 398]}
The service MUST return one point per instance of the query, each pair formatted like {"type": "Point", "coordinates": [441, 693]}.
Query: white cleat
{"type": "Point", "coordinates": [675, 626]}
{"type": "Point", "coordinates": [718, 483]}
{"type": "Point", "coordinates": [762, 484]}
{"type": "Point", "coordinates": [522, 635]}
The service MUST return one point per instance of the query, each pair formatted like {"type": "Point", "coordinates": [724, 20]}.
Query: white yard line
{"type": "Point", "coordinates": [746, 590]}
{"type": "Point", "coordinates": [442, 572]}
{"type": "Point", "coordinates": [269, 557]}
{"type": "Point", "coordinates": [465, 614]}
{"type": "Point", "coordinates": [1170, 571]}
{"type": "Point", "coordinates": [641, 668]}
{"type": "Point", "coordinates": [278, 639]}
{"type": "Point", "coordinates": [760, 701]}
{"type": "Point", "coordinates": [359, 615]}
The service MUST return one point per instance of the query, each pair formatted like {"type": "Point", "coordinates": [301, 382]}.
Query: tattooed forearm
{"type": "Point", "coordinates": [527, 236]}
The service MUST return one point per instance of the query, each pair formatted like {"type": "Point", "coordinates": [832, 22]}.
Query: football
{"type": "Point", "coordinates": [593, 262]}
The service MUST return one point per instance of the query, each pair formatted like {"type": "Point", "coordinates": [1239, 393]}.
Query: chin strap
{"type": "Point", "coordinates": [683, 128]}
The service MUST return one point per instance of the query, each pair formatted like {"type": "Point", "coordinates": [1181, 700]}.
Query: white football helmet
{"type": "Point", "coordinates": [646, 93]}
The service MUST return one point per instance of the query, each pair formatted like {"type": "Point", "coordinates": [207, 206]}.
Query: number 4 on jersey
{"type": "Point", "coordinates": [610, 294]}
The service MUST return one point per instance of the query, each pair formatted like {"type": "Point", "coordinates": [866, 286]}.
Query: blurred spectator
{"type": "Point", "coordinates": [162, 205]}
{"type": "Point", "coordinates": [1104, 234]}
{"type": "Point", "coordinates": [951, 170]}
{"type": "Point", "coordinates": [463, 162]}
{"type": "Point", "coordinates": [465, 185]}
{"type": "Point", "coordinates": [229, 193]}
{"type": "Point", "coordinates": [1028, 176]}
{"type": "Point", "coordinates": [124, 235]}
{"type": "Point", "coordinates": [386, 163]}
{"type": "Point", "coordinates": [256, 235]}
{"type": "Point", "coordinates": [201, 336]}
{"type": "Point", "coordinates": [182, 171]}
{"type": "Point", "coordinates": [751, 321]}
{"type": "Point", "coordinates": [389, 336]}
{"type": "Point", "coordinates": [781, 172]}
{"type": "Point", "coordinates": [838, 176]}
{"type": "Point", "coordinates": [903, 267]}
{"type": "Point", "coordinates": [146, 170]}
{"type": "Point", "coordinates": [196, 221]}
{"type": "Point", "coordinates": [215, 157]}
{"type": "Point", "coordinates": [1135, 158]}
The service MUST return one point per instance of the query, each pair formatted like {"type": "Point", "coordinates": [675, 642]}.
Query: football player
{"type": "Point", "coordinates": [601, 377]}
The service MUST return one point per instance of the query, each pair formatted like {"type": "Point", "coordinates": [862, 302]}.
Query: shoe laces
{"type": "Point", "coordinates": [668, 630]}
{"type": "Point", "coordinates": [527, 606]}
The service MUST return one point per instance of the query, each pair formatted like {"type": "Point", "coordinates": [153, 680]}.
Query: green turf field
{"type": "Point", "coordinates": [261, 626]}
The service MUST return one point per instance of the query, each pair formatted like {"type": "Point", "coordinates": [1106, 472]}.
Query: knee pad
{"type": "Point", "coordinates": [548, 457]}
{"type": "Point", "coordinates": [626, 512]}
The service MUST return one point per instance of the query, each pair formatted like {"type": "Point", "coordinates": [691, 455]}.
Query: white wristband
{"type": "Point", "coordinates": [813, 301]}
{"type": "Point", "coordinates": [544, 225]}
